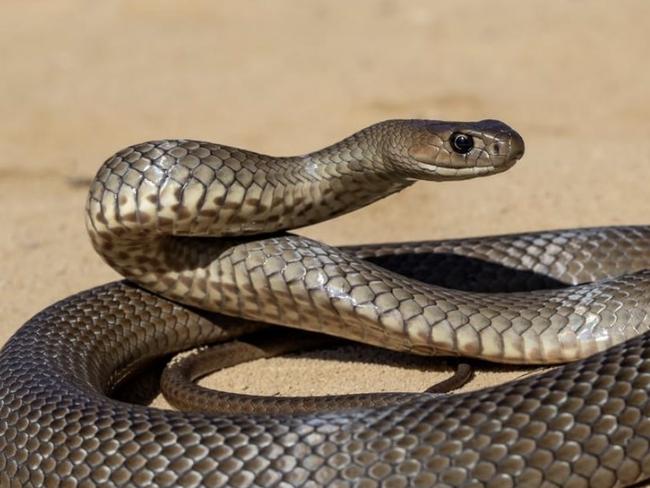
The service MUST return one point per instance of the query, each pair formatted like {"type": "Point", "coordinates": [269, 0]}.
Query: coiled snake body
{"type": "Point", "coordinates": [202, 224]}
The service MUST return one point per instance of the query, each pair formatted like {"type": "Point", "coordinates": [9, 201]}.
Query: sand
{"type": "Point", "coordinates": [81, 80]}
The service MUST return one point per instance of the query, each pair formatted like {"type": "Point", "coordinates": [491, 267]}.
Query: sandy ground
{"type": "Point", "coordinates": [80, 80]}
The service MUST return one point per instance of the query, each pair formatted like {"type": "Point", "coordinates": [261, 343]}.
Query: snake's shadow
{"type": "Point", "coordinates": [465, 273]}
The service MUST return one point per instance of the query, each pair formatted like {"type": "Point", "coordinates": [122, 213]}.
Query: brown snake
{"type": "Point", "coordinates": [203, 224]}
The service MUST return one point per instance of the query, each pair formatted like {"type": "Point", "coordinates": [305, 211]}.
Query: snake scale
{"type": "Point", "coordinates": [199, 231]}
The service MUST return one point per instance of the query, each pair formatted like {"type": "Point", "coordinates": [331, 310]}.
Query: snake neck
{"type": "Point", "coordinates": [151, 192]}
{"type": "Point", "coordinates": [181, 187]}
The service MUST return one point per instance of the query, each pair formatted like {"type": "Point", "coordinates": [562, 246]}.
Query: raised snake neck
{"type": "Point", "coordinates": [584, 424]}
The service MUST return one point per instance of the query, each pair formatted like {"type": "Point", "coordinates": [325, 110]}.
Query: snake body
{"type": "Point", "coordinates": [203, 225]}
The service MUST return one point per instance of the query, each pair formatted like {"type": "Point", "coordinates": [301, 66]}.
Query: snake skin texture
{"type": "Point", "coordinates": [583, 424]}
{"type": "Point", "coordinates": [200, 226]}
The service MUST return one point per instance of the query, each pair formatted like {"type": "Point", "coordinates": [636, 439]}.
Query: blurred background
{"type": "Point", "coordinates": [80, 80]}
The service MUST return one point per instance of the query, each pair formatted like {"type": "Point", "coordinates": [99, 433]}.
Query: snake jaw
{"type": "Point", "coordinates": [442, 173]}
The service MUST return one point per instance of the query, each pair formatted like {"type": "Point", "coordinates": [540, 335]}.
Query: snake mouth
{"type": "Point", "coordinates": [466, 172]}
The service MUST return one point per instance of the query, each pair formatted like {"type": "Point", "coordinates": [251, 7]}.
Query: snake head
{"type": "Point", "coordinates": [435, 150]}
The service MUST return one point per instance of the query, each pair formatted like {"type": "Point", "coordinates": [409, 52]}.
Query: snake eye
{"type": "Point", "coordinates": [461, 143]}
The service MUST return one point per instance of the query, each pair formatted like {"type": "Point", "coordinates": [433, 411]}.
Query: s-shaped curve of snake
{"type": "Point", "coordinates": [198, 226]}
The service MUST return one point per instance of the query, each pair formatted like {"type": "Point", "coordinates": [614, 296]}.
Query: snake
{"type": "Point", "coordinates": [200, 232]}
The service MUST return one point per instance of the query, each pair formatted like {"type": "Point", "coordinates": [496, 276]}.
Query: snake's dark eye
{"type": "Point", "coordinates": [461, 143]}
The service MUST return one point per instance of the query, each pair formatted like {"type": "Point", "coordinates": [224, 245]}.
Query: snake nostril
{"type": "Point", "coordinates": [496, 148]}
